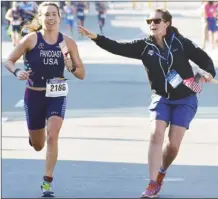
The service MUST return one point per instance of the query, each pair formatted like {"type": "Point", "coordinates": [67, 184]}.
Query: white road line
{"type": "Point", "coordinates": [20, 103]}
{"type": "Point", "coordinates": [4, 119]}
{"type": "Point", "coordinates": [171, 179]}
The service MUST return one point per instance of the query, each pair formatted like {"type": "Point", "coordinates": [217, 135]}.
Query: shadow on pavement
{"type": "Point", "coordinates": [21, 178]}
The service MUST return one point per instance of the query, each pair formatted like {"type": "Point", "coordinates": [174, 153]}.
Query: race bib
{"type": "Point", "coordinates": [70, 17]}
{"type": "Point", "coordinates": [174, 78]}
{"type": "Point", "coordinates": [80, 14]}
{"type": "Point", "coordinates": [56, 88]}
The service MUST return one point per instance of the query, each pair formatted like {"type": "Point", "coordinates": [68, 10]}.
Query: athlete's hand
{"type": "Point", "coordinates": [68, 62]}
{"type": "Point", "coordinates": [206, 78]}
{"type": "Point", "coordinates": [83, 31]}
{"type": "Point", "coordinates": [23, 75]}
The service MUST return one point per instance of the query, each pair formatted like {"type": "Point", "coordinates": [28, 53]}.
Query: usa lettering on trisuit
{"type": "Point", "coordinates": [50, 57]}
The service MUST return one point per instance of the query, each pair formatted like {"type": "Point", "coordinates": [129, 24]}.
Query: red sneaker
{"type": "Point", "coordinates": [152, 190]}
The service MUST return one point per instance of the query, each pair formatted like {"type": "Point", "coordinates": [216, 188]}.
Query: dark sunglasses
{"type": "Point", "coordinates": [156, 21]}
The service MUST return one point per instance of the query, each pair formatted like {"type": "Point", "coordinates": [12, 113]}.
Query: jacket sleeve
{"type": "Point", "coordinates": [199, 57]}
{"type": "Point", "coordinates": [132, 49]}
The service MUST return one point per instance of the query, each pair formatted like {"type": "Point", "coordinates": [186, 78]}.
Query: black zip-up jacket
{"type": "Point", "coordinates": [182, 50]}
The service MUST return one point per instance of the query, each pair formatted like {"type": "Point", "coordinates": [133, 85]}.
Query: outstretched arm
{"type": "Point", "coordinates": [132, 49]}
{"type": "Point", "coordinates": [8, 15]}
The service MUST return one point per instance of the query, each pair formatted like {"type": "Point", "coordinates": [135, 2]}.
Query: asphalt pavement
{"type": "Point", "coordinates": [105, 137]}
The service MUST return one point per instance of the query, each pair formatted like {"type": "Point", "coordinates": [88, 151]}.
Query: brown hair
{"type": "Point", "coordinates": [210, 2]}
{"type": "Point", "coordinates": [167, 17]}
{"type": "Point", "coordinates": [35, 25]}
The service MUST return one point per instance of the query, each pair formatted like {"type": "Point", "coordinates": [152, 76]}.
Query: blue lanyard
{"type": "Point", "coordinates": [162, 57]}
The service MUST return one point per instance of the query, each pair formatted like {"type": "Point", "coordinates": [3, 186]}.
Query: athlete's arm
{"type": "Point", "coordinates": [199, 56]}
{"type": "Point", "coordinates": [74, 54]}
{"type": "Point", "coordinates": [25, 44]}
{"type": "Point", "coordinates": [131, 49]}
{"type": "Point", "coordinates": [8, 15]}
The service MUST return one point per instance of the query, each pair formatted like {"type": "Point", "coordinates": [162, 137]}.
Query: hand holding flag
{"type": "Point", "coordinates": [205, 76]}
{"type": "Point", "coordinates": [194, 83]}
{"type": "Point", "coordinates": [67, 59]}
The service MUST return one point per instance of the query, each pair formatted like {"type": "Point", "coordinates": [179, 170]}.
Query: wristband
{"type": "Point", "coordinates": [15, 72]}
{"type": "Point", "coordinates": [73, 70]}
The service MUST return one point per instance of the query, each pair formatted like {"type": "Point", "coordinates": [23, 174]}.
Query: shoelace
{"type": "Point", "coordinates": [151, 186]}
{"type": "Point", "coordinates": [46, 186]}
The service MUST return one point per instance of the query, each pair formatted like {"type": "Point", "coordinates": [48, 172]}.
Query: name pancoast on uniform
{"type": "Point", "coordinates": [47, 64]}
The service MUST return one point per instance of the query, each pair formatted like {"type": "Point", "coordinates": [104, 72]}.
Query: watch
{"type": "Point", "coordinates": [15, 71]}
{"type": "Point", "coordinates": [73, 70]}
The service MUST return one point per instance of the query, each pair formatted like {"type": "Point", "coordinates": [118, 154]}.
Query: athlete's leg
{"type": "Point", "coordinates": [176, 134]}
{"type": "Point", "coordinates": [71, 26]}
{"type": "Point", "coordinates": [205, 34]}
{"type": "Point", "coordinates": [55, 113]}
{"type": "Point", "coordinates": [160, 117]}
{"type": "Point", "coordinates": [37, 138]}
{"type": "Point", "coordinates": [35, 116]}
{"type": "Point", "coordinates": [182, 115]}
{"type": "Point", "coordinates": [53, 128]}
{"type": "Point", "coordinates": [158, 128]}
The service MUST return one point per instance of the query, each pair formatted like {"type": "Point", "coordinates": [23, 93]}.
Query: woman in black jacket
{"type": "Point", "coordinates": [165, 55]}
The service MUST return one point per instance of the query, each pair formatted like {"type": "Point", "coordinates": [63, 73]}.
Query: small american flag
{"type": "Point", "coordinates": [63, 47]}
{"type": "Point", "coordinates": [194, 83]}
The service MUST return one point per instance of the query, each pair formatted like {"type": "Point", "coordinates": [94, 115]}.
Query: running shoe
{"type": "Point", "coordinates": [47, 190]}
{"type": "Point", "coordinates": [151, 191]}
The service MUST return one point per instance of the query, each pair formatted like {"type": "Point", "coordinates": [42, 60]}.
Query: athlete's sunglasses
{"type": "Point", "coordinates": [156, 21]}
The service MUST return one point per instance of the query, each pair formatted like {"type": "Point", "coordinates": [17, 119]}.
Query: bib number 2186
{"type": "Point", "coordinates": [56, 88]}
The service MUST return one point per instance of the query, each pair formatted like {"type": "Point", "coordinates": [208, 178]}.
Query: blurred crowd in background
{"type": "Point", "coordinates": [16, 14]}
{"type": "Point", "coordinates": [20, 13]}
{"type": "Point", "coordinates": [210, 23]}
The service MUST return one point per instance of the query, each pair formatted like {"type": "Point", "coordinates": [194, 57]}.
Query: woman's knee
{"type": "Point", "coordinates": [52, 138]}
{"type": "Point", "coordinates": [173, 148]}
{"type": "Point", "coordinates": [157, 131]}
{"type": "Point", "coordinates": [176, 135]}
{"type": "Point", "coordinates": [54, 126]}
{"type": "Point", "coordinates": [38, 146]}
{"type": "Point", "coordinates": [37, 138]}
{"type": "Point", "coordinates": [157, 136]}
